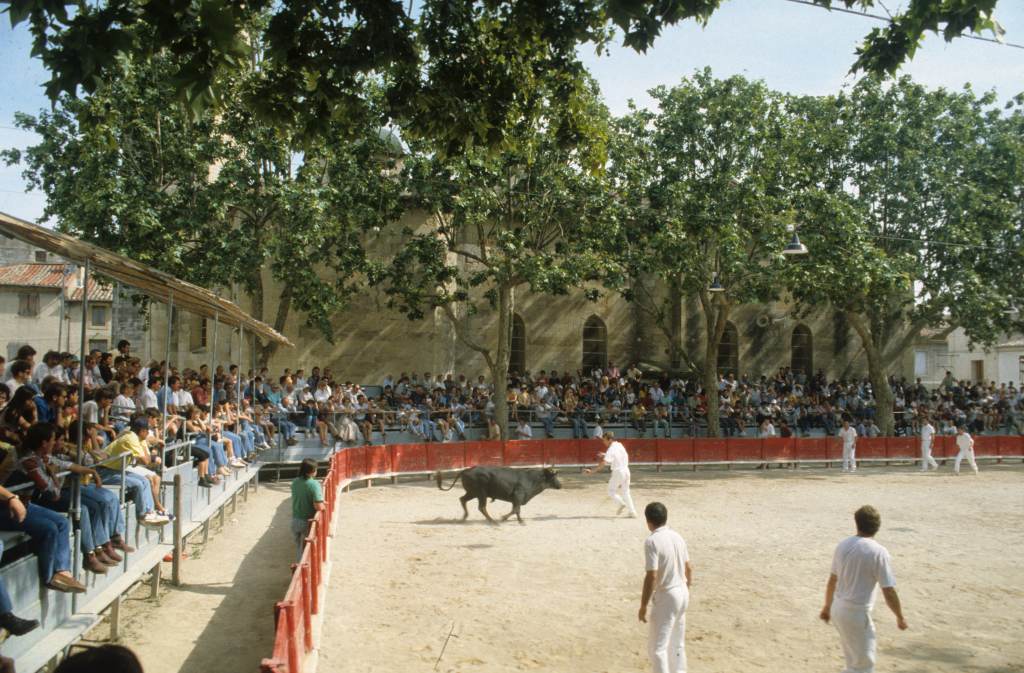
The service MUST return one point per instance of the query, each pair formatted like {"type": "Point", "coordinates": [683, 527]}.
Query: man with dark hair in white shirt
{"type": "Point", "coordinates": [848, 434]}
{"type": "Point", "coordinates": [927, 438]}
{"type": "Point", "coordinates": [860, 563]}
{"type": "Point", "coordinates": [667, 579]}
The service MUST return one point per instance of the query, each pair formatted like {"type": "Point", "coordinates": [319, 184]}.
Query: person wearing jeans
{"type": "Point", "coordinates": [50, 533]}
{"type": "Point", "coordinates": [14, 625]}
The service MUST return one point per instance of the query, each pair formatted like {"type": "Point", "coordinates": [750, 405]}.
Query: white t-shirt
{"type": "Point", "coordinates": [149, 400]}
{"type": "Point", "coordinates": [964, 442]}
{"type": "Point", "coordinates": [927, 432]}
{"type": "Point", "coordinates": [90, 412]}
{"type": "Point", "coordinates": [849, 436]}
{"type": "Point", "coordinates": [524, 431]}
{"type": "Point", "coordinates": [616, 456]}
{"type": "Point", "coordinates": [183, 398]}
{"type": "Point", "coordinates": [123, 408]}
{"type": "Point", "coordinates": [859, 564]}
{"type": "Point", "coordinates": [665, 552]}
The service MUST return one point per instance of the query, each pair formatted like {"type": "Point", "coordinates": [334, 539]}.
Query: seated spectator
{"type": "Point", "coordinates": [43, 458]}
{"type": "Point", "coordinates": [131, 447]}
{"type": "Point", "coordinates": [20, 375]}
{"type": "Point", "coordinates": [523, 429]}
{"type": "Point", "coordinates": [51, 533]}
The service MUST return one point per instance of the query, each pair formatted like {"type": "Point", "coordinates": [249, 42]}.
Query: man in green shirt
{"type": "Point", "coordinates": [307, 500]}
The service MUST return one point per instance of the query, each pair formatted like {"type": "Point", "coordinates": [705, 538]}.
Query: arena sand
{"type": "Point", "coordinates": [561, 592]}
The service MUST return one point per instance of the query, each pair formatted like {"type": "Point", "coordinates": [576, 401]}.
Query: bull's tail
{"type": "Point", "coordinates": [440, 481]}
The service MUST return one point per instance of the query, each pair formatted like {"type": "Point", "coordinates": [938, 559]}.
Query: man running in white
{"type": "Point", "coordinates": [858, 565]}
{"type": "Point", "coordinates": [965, 443]}
{"type": "Point", "coordinates": [849, 436]}
{"type": "Point", "coordinates": [927, 437]}
{"type": "Point", "coordinates": [616, 457]}
{"type": "Point", "coordinates": [667, 581]}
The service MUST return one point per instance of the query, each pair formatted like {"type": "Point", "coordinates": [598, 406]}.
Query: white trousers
{"type": "Point", "coordinates": [926, 457]}
{"type": "Point", "coordinates": [618, 489]}
{"type": "Point", "coordinates": [857, 636]}
{"type": "Point", "coordinates": [969, 455]}
{"type": "Point", "coordinates": [666, 643]}
{"type": "Point", "coordinates": [849, 460]}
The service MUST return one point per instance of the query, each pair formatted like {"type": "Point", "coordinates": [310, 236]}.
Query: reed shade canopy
{"type": "Point", "coordinates": [156, 284]}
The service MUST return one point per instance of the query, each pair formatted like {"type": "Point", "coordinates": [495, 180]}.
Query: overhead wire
{"type": "Point", "coordinates": [888, 19]}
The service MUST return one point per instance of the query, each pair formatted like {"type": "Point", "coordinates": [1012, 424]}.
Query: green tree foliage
{"type": "Point", "coordinates": [217, 200]}
{"type": "Point", "coordinates": [914, 217]}
{"type": "Point", "coordinates": [528, 218]}
{"type": "Point", "coordinates": [708, 181]}
{"type": "Point", "coordinates": [456, 70]}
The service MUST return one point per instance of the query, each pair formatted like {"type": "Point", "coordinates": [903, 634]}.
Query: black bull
{"type": "Point", "coordinates": [517, 486]}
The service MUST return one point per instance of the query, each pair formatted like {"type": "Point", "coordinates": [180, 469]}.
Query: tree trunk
{"type": "Point", "coordinates": [714, 325]}
{"type": "Point", "coordinates": [877, 375]}
{"type": "Point", "coordinates": [284, 305]}
{"type": "Point", "coordinates": [675, 341]}
{"type": "Point", "coordinates": [499, 370]}
{"type": "Point", "coordinates": [711, 384]}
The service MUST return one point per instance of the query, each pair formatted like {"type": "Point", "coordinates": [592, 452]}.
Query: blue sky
{"type": "Point", "coordinates": [791, 47]}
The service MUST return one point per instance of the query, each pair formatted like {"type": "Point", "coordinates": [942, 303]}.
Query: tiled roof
{"type": "Point", "coordinates": [50, 275]}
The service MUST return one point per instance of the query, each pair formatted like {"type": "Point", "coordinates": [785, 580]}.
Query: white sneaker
{"type": "Point", "coordinates": [154, 519]}
{"type": "Point", "coordinates": [235, 462]}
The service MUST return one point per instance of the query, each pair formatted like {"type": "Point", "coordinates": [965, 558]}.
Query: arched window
{"type": "Point", "coordinates": [595, 344]}
{"type": "Point", "coordinates": [802, 351]}
{"type": "Point", "coordinates": [729, 351]}
{"type": "Point", "coordinates": [517, 357]}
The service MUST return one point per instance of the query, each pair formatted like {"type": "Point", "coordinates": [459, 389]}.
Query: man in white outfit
{"type": "Point", "coordinates": [858, 564]}
{"type": "Point", "coordinates": [615, 456]}
{"type": "Point", "coordinates": [927, 437]}
{"type": "Point", "coordinates": [849, 436]}
{"type": "Point", "coordinates": [666, 581]}
{"type": "Point", "coordinates": [965, 443]}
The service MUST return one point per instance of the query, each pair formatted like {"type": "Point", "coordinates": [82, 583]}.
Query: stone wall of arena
{"type": "Point", "coordinates": [371, 341]}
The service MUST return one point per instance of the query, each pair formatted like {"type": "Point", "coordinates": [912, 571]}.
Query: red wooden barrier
{"type": "Point", "coordinates": [1011, 446]}
{"type": "Point", "coordinates": [561, 451]}
{"type": "Point", "coordinates": [445, 456]}
{"type": "Point", "coordinates": [986, 445]}
{"type": "Point", "coordinates": [524, 452]}
{"type": "Point", "coordinates": [378, 459]}
{"type": "Point", "coordinates": [589, 448]}
{"type": "Point", "coordinates": [675, 450]}
{"type": "Point", "coordinates": [409, 458]}
{"type": "Point", "coordinates": [779, 449]}
{"type": "Point", "coordinates": [641, 450]}
{"type": "Point", "coordinates": [812, 448]}
{"type": "Point", "coordinates": [869, 447]}
{"type": "Point", "coordinates": [902, 447]}
{"type": "Point", "coordinates": [743, 449]}
{"type": "Point", "coordinates": [483, 453]}
{"type": "Point", "coordinates": [710, 450]}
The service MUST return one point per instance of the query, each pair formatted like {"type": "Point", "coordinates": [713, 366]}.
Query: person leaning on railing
{"type": "Point", "coordinates": [44, 462]}
{"type": "Point", "coordinates": [131, 445]}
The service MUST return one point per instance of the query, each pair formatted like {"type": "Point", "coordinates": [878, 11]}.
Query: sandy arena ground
{"type": "Point", "coordinates": [561, 592]}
